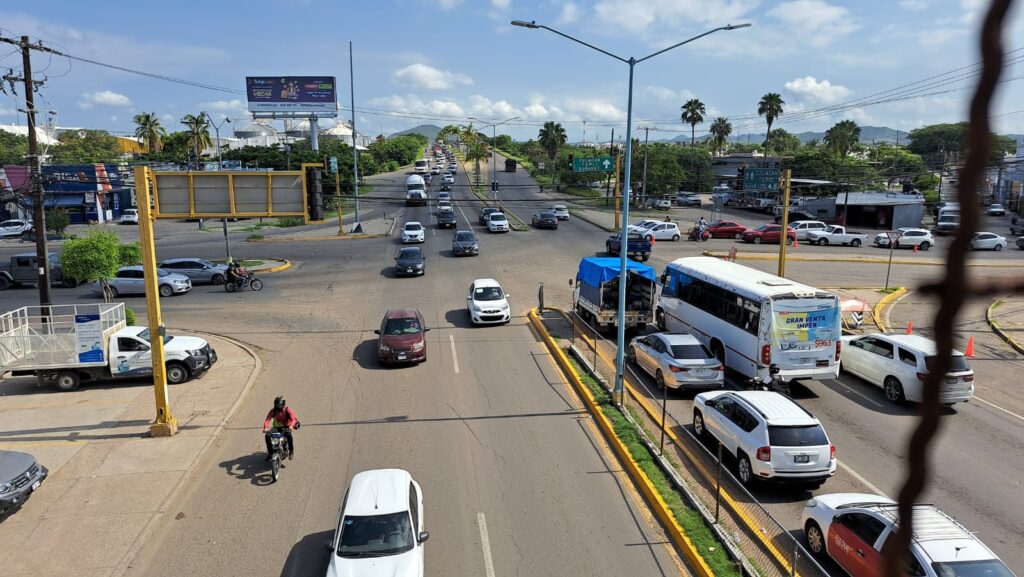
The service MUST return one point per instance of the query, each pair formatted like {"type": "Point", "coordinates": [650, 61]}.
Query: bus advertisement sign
{"type": "Point", "coordinates": [805, 330]}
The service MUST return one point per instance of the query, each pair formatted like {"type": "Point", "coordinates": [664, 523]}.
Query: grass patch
{"type": "Point", "coordinates": [288, 222]}
{"type": "Point", "coordinates": [693, 524]}
{"type": "Point", "coordinates": [889, 290]}
{"type": "Point", "coordinates": [245, 262]}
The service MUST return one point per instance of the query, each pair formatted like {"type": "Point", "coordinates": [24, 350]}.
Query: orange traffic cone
{"type": "Point", "coordinates": [915, 248]}
{"type": "Point", "coordinates": [910, 327]}
{"type": "Point", "coordinates": [970, 348]}
{"type": "Point", "coordinates": [796, 241]}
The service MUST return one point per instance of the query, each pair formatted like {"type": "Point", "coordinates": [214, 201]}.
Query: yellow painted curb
{"type": "Point", "coordinates": [864, 260]}
{"type": "Point", "coordinates": [321, 238]}
{"type": "Point", "coordinates": [657, 504]}
{"type": "Point", "coordinates": [287, 264]}
{"type": "Point", "coordinates": [998, 330]}
{"type": "Point", "coordinates": [879, 308]}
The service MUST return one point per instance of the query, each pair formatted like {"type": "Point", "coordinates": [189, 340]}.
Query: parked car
{"type": "Point", "coordinates": [380, 526]}
{"type": "Point", "coordinates": [909, 238]}
{"type": "Point", "coordinates": [413, 231]}
{"type": "Point", "coordinates": [688, 199]}
{"type": "Point", "coordinates": [854, 530]}
{"type": "Point", "coordinates": [545, 220]}
{"type": "Point", "coordinates": [662, 231]}
{"type": "Point", "coordinates": [410, 261]}
{"type": "Point", "coordinates": [771, 436]}
{"type": "Point", "coordinates": [15, 227]}
{"type": "Point", "coordinates": [768, 233]}
{"type": "Point", "coordinates": [129, 216]}
{"type": "Point", "coordinates": [802, 227]}
{"type": "Point", "coordinates": [661, 204]}
{"type": "Point", "coordinates": [561, 211]}
{"type": "Point", "coordinates": [987, 241]}
{"type": "Point", "coordinates": [402, 337]}
{"type": "Point", "coordinates": [726, 229]}
{"type": "Point", "coordinates": [996, 209]}
{"type": "Point", "coordinates": [464, 242]}
{"type": "Point", "coordinates": [898, 364]}
{"type": "Point", "coordinates": [485, 214]}
{"type": "Point", "coordinates": [644, 225]}
{"type": "Point", "coordinates": [198, 269]}
{"type": "Point", "coordinates": [677, 360]}
{"type": "Point", "coordinates": [497, 222]}
{"type": "Point", "coordinates": [130, 280]}
{"type": "Point", "coordinates": [796, 215]}
{"type": "Point", "coordinates": [487, 302]}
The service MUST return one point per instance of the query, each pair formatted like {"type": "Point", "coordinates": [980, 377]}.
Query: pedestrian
{"type": "Point", "coordinates": [668, 218]}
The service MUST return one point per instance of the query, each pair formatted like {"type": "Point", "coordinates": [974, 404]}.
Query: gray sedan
{"type": "Point", "coordinates": [130, 280]}
{"type": "Point", "coordinates": [677, 360]}
{"type": "Point", "coordinates": [198, 269]}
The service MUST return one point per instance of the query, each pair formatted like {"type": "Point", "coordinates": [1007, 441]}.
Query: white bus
{"type": "Point", "coordinates": [422, 166]}
{"type": "Point", "coordinates": [751, 319]}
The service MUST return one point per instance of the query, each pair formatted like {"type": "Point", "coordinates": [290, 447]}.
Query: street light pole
{"type": "Point", "coordinates": [220, 166]}
{"type": "Point", "coordinates": [624, 237]}
{"type": "Point", "coordinates": [494, 158]}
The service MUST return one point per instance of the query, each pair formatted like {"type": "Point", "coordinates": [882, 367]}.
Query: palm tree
{"type": "Point", "coordinates": [693, 114]}
{"type": "Point", "coordinates": [552, 137]}
{"type": "Point", "coordinates": [149, 131]}
{"type": "Point", "coordinates": [770, 108]}
{"type": "Point", "coordinates": [842, 137]}
{"type": "Point", "coordinates": [477, 152]}
{"type": "Point", "coordinates": [198, 130]}
{"type": "Point", "coordinates": [468, 135]}
{"type": "Point", "coordinates": [720, 130]}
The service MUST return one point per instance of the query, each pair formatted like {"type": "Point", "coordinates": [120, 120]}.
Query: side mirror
{"type": "Point", "coordinates": [507, 295]}
{"type": "Point", "coordinates": [422, 537]}
{"type": "Point", "coordinates": [426, 330]}
{"type": "Point", "coordinates": [376, 331]}
{"type": "Point", "coordinates": [328, 544]}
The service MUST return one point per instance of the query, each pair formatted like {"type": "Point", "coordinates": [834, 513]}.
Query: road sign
{"type": "Point", "coordinates": [761, 179]}
{"type": "Point", "coordinates": [540, 166]}
{"type": "Point", "coordinates": [595, 164]}
{"type": "Point", "coordinates": [893, 235]}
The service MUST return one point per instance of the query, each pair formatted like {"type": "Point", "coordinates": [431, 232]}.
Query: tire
{"type": "Point", "coordinates": [757, 240]}
{"type": "Point", "coordinates": [675, 238]}
{"type": "Point", "coordinates": [923, 246]}
{"type": "Point", "coordinates": [659, 379]}
{"type": "Point", "coordinates": [4, 283]}
{"type": "Point", "coordinates": [608, 248]}
{"type": "Point", "coordinates": [698, 425]}
{"type": "Point", "coordinates": [166, 290]}
{"type": "Point", "coordinates": [743, 470]}
{"type": "Point", "coordinates": [112, 291]}
{"type": "Point", "coordinates": [632, 355]}
{"type": "Point", "coordinates": [69, 282]}
{"type": "Point", "coordinates": [643, 258]}
{"type": "Point", "coordinates": [855, 242]}
{"type": "Point", "coordinates": [893, 390]}
{"type": "Point", "coordinates": [822, 242]}
{"type": "Point", "coordinates": [998, 247]}
{"type": "Point", "coordinates": [217, 279]}
{"type": "Point", "coordinates": [67, 381]}
{"type": "Point", "coordinates": [257, 284]}
{"type": "Point", "coordinates": [275, 467]}
{"type": "Point", "coordinates": [176, 373]}
{"type": "Point", "coordinates": [230, 287]}
{"type": "Point", "coordinates": [897, 244]}
{"type": "Point", "coordinates": [738, 236]}
{"type": "Point", "coordinates": [815, 539]}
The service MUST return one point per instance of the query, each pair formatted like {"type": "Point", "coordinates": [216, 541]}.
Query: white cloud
{"type": "Point", "coordinates": [816, 20]}
{"type": "Point", "coordinates": [637, 16]}
{"type": "Point", "coordinates": [484, 107]}
{"type": "Point", "coordinates": [446, 108]}
{"type": "Point", "coordinates": [4, 111]}
{"type": "Point", "coordinates": [914, 5]}
{"type": "Point", "coordinates": [420, 75]}
{"type": "Point", "coordinates": [570, 12]}
{"type": "Point", "coordinates": [234, 109]}
{"type": "Point", "coordinates": [667, 94]}
{"type": "Point", "coordinates": [103, 98]}
{"type": "Point", "coordinates": [169, 118]}
{"type": "Point", "coordinates": [593, 109]}
{"type": "Point", "coordinates": [817, 92]}
{"type": "Point", "coordinates": [413, 104]}
{"type": "Point", "coordinates": [501, 4]}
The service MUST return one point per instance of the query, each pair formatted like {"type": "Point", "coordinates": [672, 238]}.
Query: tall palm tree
{"type": "Point", "coordinates": [475, 153]}
{"type": "Point", "coordinates": [720, 130]}
{"type": "Point", "coordinates": [552, 136]}
{"type": "Point", "coordinates": [842, 137]}
{"type": "Point", "coordinates": [468, 135]}
{"type": "Point", "coordinates": [198, 130]}
{"type": "Point", "coordinates": [149, 131]}
{"type": "Point", "coordinates": [693, 114]}
{"type": "Point", "coordinates": [770, 108]}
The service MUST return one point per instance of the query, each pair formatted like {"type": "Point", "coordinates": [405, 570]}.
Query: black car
{"type": "Point", "coordinates": [446, 187]}
{"type": "Point", "coordinates": [545, 220]}
{"type": "Point", "coordinates": [1020, 242]}
{"type": "Point", "coordinates": [464, 242]}
{"type": "Point", "coordinates": [410, 261]}
{"type": "Point", "coordinates": [485, 214]}
{"type": "Point", "coordinates": [446, 219]}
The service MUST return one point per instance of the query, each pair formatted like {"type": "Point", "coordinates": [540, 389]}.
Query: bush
{"type": "Point", "coordinates": [129, 254]}
{"type": "Point", "coordinates": [129, 316]}
{"type": "Point", "coordinates": [391, 166]}
{"type": "Point", "coordinates": [289, 221]}
{"type": "Point", "coordinates": [57, 220]}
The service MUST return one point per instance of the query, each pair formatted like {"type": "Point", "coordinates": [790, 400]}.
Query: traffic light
{"type": "Point", "coordinates": [570, 162]}
{"type": "Point", "coordinates": [494, 186]}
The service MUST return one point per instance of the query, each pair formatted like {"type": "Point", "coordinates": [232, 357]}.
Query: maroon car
{"type": "Point", "coordinates": [402, 337]}
{"type": "Point", "coordinates": [769, 233]}
{"type": "Point", "coordinates": [726, 229]}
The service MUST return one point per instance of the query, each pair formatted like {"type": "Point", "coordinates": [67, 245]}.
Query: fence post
{"type": "Point", "coordinates": [540, 298]}
{"type": "Point", "coordinates": [792, 561]}
{"type": "Point", "coordinates": [664, 409]}
{"type": "Point", "coordinates": [718, 483]}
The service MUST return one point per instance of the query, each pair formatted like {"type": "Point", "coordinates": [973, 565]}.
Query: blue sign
{"type": "Point", "coordinates": [761, 179]}
{"type": "Point", "coordinates": [89, 337]}
{"type": "Point", "coordinates": [292, 94]}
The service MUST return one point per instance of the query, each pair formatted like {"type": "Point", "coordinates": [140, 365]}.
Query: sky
{"type": "Point", "coordinates": [446, 61]}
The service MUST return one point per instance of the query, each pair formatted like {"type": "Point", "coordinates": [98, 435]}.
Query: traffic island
{"type": "Point", "coordinates": [998, 329]}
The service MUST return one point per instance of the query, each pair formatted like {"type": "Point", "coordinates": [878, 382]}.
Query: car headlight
{"type": "Point", "coordinates": [417, 347]}
{"type": "Point", "coordinates": [6, 488]}
{"type": "Point", "coordinates": [811, 503]}
{"type": "Point", "coordinates": [195, 353]}
{"type": "Point", "coordinates": [504, 306]}
{"type": "Point", "coordinates": [385, 348]}
{"type": "Point", "coordinates": [419, 265]}
{"type": "Point", "coordinates": [476, 308]}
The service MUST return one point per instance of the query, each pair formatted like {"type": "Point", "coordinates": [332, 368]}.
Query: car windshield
{"type": "Point", "coordinates": [763, 228]}
{"type": "Point", "coordinates": [984, 568]}
{"type": "Point", "coordinates": [802, 436]}
{"type": "Point", "coordinates": [144, 335]}
{"type": "Point", "coordinates": [497, 217]}
{"type": "Point", "coordinates": [162, 272]}
{"type": "Point", "coordinates": [464, 237]}
{"type": "Point", "coordinates": [413, 227]}
{"type": "Point", "coordinates": [375, 535]}
{"type": "Point", "coordinates": [696, 351]}
{"type": "Point", "coordinates": [408, 253]}
{"type": "Point", "coordinates": [406, 326]}
{"type": "Point", "coordinates": [488, 293]}
{"type": "Point", "coordinates": [958, 364]}
{"type": "Point", "coordinates": [547, 215]}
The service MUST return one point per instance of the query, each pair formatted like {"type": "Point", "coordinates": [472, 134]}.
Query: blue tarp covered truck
{"type": "Point", "coordinates": [597, 292]}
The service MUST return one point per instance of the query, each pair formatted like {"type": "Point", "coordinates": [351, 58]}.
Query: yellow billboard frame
{"type": "Point", "coordinates": [230, 174]}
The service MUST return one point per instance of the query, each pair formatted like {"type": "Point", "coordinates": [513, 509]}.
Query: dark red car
{"type": "Point", "coordinates": [769, 233]}
{"type": "Point", "coordinates": [403, 337]}
{"type": "Point", "coordinates": [726, 229]}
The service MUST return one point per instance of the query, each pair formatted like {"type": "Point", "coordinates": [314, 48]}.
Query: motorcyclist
{"type": "Point", "coordinates": [280, 418]}
{"type": "Point", "coordinates": [773, 381]}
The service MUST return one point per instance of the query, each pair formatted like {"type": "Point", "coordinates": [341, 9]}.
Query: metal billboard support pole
{"type": "Point", "coordinates": [356, 225]}
{"type": "Point", "coordinates": [784, 239]}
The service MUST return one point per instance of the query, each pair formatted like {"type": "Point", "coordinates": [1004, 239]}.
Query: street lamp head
{"type": "Point", "coordinates": [735, 26]}
{"type": "Point", "coordinates": [525, 24]}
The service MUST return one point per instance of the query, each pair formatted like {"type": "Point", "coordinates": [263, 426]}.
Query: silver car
{"type": "Point", "coordinates": [130, 280]}
{"type": "Point", "coordinates": [677, 360]}
{"type": "Point", "coordinates": [198, 269]}
{"type": "Point", "coordinates": [20, 476]}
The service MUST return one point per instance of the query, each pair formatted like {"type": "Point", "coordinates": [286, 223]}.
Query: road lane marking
{"type": "Point", "coordinates": [858, 393]}
{"type": "Point", "coordinates": [995, 406]}
{"type": "Point", "coordinates": [455, 356]}
{"type": "Point", "coordinates": [485, 542]}
{"type": "Point", "coordinates": [861, 478]}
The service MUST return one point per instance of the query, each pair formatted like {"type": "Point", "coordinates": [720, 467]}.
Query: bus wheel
{"type": "Point", "coordinates": [718, 350]}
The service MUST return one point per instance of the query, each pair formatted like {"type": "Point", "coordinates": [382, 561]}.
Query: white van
{"type": "Point", "coordinates": [422, 166]}
{"type": "Point", "coordinates": [948, 222]}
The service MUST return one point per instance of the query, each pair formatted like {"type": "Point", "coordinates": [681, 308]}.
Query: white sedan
{"type": "Point", "coordinates": [987, 241]}
{"type": "Point", "coordinates": [14, 227]}
{"type": "Point", "coordinates": [487, 302]}
{"type": "Point", "coordinates": [677, 360]}
{"type": "Point", "coordinates": [413, 231]}
{"type": "Point", "coordinates": [497, 222]}
{"type": "Point", "coordinates": [561, 211]}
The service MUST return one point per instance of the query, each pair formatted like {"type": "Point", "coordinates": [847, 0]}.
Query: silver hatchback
{"type": "Point", "coordinates": [198, 269]}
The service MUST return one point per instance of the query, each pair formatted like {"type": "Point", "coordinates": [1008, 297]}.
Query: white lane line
{"type": "Point", "coordinates": [455, 357]}
{"type": "Point", "coordinates": [485, 542]}
{"type": "Point", "coordinates": [861, 478]}
{"type": "Point", "coordinates": [995, 406]}
{"type": "Point", "coordinates": [858, 393]}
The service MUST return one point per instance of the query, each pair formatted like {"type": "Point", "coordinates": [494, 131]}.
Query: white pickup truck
{"type": "Point", "coordinates": [836, 235]}
{"type": "Point", "coordinates": [66, 344]}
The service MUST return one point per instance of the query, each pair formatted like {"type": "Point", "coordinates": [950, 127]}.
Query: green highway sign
{"type": "Point", "coordinates": [761, 179]}
{"type": "Point", "coordinates": [593, 164]}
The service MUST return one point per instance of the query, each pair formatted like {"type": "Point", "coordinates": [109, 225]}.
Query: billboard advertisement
{"type": "Point", "coordinates": [314, 94]}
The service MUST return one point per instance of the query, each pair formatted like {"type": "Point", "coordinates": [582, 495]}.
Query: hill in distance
{"type": "Point", "coordinates": [428, 130]}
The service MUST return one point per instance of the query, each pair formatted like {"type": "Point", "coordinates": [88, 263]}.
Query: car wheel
{"type": "Point", "coordinates": [738, 236]}
{"type": "Point", "coordinates": [897, 244]}
{"type": "Point", "coordinates": [176, 373]}
{"type": "Point", "coordinates": [659, 318]}
{"type": "Point", "coordinates": [998, 247]}
{"type": "Point", "coordinates": [893, 390]}
{"type": "Point", "coordinates": [822, 241]}
{"type": "Point", "coordinates": [632, 355]}
{"type": "Point", "coordinates": [4, 283]}
{"type": "Point", "coordinates": [743, 470]}
{"type": "Point", "coordinates": [675, 238]}
{"type": "Point", "coordinates": [698, 425]}
{"type": "Point", "coordinates": [923, 246]}
{"type": "Point", "coordinates": [855, 242]}
{"type": "Point", "coordinates": [70, 282]}
{"type": "Point", "coordinates": [217, 279]}
{"type": "Point", "coordinates": [659, 378]}
{"type": "Point", "coordinates": [166, 290]}
{"type": "Point", "coordinates": [815, 539]}
{"type": "Point", "coordinates": [68, 381]}
{"type": "Point", "coordinates": [757, 240]}
{"type": "Point", "coordinates": [112, 291]}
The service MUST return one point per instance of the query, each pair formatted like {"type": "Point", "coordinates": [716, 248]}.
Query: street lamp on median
{"type": "Point", "coordinates": [631, 62]}
{"type": "Point", "coordinates": [223, 221]}
{"type": "Point", "coordinates": [494, 136]}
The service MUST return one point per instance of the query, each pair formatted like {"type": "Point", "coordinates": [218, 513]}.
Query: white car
{"type": "Point", "coordinates": [444, 206]}
{"type": "Point", "coordinates": [662, 231]}
{"type": "Point", "coordinates": [561, 211]}
{"type": "Point", "coordinates": [413, 231]}
{"type": "Point", "coordinates": [853, 529]}
{"type": "Point", "coordinates": [380, 527]}
{"type": "Point", "coordinates": [643, 225]}
{"type": "Point", "coordinates": [909, 237]}
{"type": "Point", "coordinates": [449, 178]}
{"type": "Point", "coordinates": [130, 280]}
{"type": "Point", "coordinates": [770, 435]}
{"type": "Point", "coordinates": [129, 216]}
{"type": "Point", "coordinates": [899, 363]}
{"type": "Point", "coordinates": [802, 227]}
{"type": "Point", "coordinates": [497, 222]}
{"type": "Point", "coordinates": [661, 204]}
{"type": "Point", "coordinates": [14, 227]}
{"type": "Point", "coordinates": [996, 210]}
{"type": "Point", "coordinates": [987, 241]}
{"type": "Point", "coordinates": [487, 302]}
{"type": "Point", "coordinates": [677, 360]}
{"type": "Point", "coordinates": [443, 195]}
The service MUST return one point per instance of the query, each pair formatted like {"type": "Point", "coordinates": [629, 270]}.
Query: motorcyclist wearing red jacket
{"type": "Point", "coordinates": [280, 418]}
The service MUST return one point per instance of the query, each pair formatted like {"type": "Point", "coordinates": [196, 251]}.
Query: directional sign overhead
{"type": "Point", "coordinates": [761, 179]}
{"type": "Point", "coordinates": [593, 164]}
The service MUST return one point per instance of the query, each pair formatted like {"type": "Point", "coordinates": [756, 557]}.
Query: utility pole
{"type": "Point", "coordinates": [785, 222]}
{"type": "Point", "coordinates": [647, 195]}
{"type": "Point", "coordinates": [608, 185]}
{"type": "Point", "coordinates": [356, 225]}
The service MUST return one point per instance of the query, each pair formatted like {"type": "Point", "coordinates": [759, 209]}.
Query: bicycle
{"type": "Point", "coordinates": [248, 280]}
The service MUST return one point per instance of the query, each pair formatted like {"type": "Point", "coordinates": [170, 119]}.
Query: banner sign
{"type": "Point", "coordinates": [292, 94]}
{"type": "Point", "coordinates": [805, 330]}
{"type": "Point", "coordinates": [89, 334]}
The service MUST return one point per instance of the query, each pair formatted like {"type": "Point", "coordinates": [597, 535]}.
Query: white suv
{"type": "Point", "coordinates": [909, 237]}
{"type": "Point", "coordinates": [771, 436]}
{"type": "Point", "coordinates": [802, 227]}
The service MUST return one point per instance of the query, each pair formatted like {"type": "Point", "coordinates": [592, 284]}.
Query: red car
{"type": "Point", "coordinates": [769, 233]}
{"type": "Point", "coordinates": [403, 337]}
{"type": "Point", "coordinates": [726, 229]}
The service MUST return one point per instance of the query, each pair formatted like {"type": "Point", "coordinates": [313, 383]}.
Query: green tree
{"type": "Point", "coordinates": [693, 114]}
{"type": "Point", "coordinates": [475, 154]}
{"type": "Point", "coordinates": [198, 130]}
{"type": "Point", "coordinates": [720, 130]}
{"type": "Point", "coordinates": [842, 137]}
{"type": "Point", "coordinates": [552, 137]}
{"type": "Point", "coordinates": [149, 131]}
{"type": "Point", "coordinates": [926, 182]}
{"type": "Point", "coordinates": [78, 146]}
{"type": "Point", "coordinates": [57, 220]}
{"type": "Point", "coordinates": [96, 257]}
{"type": "Point", "coordinates": [896, 164]}
{"type": "Point", "coordinates": [781, 141]}
{"type": "Point", "coordinates": [935, 142]}
{"type": "Point", "coordinates": [770, 107]}
{"type": "Point", "coordinates": [13, 148]}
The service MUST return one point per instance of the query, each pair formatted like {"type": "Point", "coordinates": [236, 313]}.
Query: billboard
{"type": "Point", "coordinates": [313, 94]}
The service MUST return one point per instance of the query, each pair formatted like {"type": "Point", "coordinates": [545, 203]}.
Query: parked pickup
{"type": "Point", "coordinates": [836, 235]}
{"type": "Point", "coordinates": [23, 270]}
{"type": "Point", "coordinates": [636, 247]}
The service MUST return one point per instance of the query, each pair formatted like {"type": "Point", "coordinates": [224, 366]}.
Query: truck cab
{"type": "Point", "coordinates": [23, 270]}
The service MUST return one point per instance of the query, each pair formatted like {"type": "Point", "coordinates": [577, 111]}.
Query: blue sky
{"type": "Point", "coordinates": [441, 61]}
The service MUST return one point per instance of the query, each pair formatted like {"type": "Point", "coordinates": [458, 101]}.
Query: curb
{"type": "Point", "coordinates": [640, 479]}
{"type": "Point", "coordinates": [866, 260]}
{"type": "Point", "coordinates": [880, 306]}
{"type": "Point", "coordinates": [140, 540]}
{"type": "Point", "coordinates": [580, 216]}
{"type": "Point", "coordinates": [285, 265]}
{"type": "Point", "coordinates": [349, 236]}
{"type": "Point", "coordinates": [998, 330]}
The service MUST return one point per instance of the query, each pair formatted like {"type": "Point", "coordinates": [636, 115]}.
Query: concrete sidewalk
{"type": "Point", "coordinates": [110, 483]}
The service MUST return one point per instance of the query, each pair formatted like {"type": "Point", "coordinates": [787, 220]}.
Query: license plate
{"type": "Point", "coordinates": [35, 486]}
{"type": "Point", "coordinates": [952, 381]}
{"type": "Point", "coordinates": [801, 458]}
{"type": "Point", "coordinates": [401, 356]}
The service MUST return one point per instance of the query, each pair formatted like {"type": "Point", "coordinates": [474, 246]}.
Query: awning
{"type": "Point", "coordinates": [59, 200]}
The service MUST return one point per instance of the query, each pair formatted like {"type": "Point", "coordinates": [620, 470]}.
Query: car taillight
{"type": "Point", "coordinates": [676, 369]}
{"type": "Point", "coordinates": [922, 376]}
{"type": "Point", "coordinates": [839, 348]}
{"type": "Point", "coordinates": [764, 454]}
{"type": "Point", "coordinates": [968, 378]}
{"type": "Point", "coordinates": [832, 452]}
{"type": "Point", "coordinates": [766, 355]}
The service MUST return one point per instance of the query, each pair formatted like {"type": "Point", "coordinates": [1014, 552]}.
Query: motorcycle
{"type": "Point", "coordinates": [248, 280]}
{"type": "Point", "coordinates": [777, 384]}
{"type": "Point", "coordinates": [692, 235]}
{"type": "Point", "coordinates": [278, 452]}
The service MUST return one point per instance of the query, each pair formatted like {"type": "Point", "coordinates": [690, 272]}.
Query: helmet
{"type": "Point", "coordinates": [279, 403]}
{"type": "Point", "coordinates": [773, 369]}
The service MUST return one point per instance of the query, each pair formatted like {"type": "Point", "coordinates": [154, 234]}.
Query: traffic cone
{"type": "Point", "coordinates": [915, 248]}
{"type": "Point", "coordinates": [796, 242]}
{"type": "Point", "coordinates": [654, 241]}
{"type": "Point", "coordinates": [970, 348]}
{"type": "Point", "coordinates": [910, 327]}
